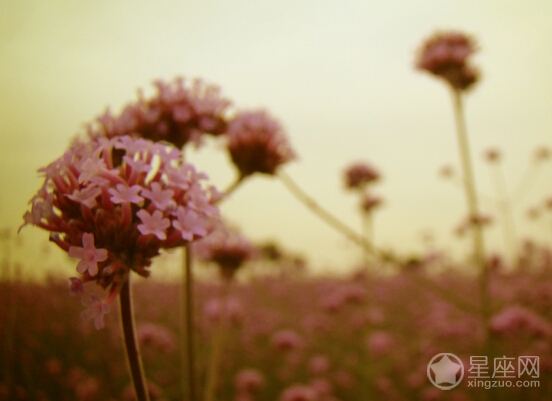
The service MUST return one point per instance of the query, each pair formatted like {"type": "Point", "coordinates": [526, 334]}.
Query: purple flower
{"type": "Point", "coordinates": [89, 255]}
{"type": "Point", "coordinates": [96, 310]}
{"type": "Point", "coordinates": [162, 199]}
{"type": "Point", "coordinates": [189, 224]}
{"type": "Point", "coordinates": [86, 196]}
{"type": "Point", "coordinates": [154, 224]}
{"type": "Point", "coordinates": [125, 194]}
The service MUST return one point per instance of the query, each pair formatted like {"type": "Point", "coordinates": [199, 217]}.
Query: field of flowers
{"type": "Point", "coordinates": [289, 336]}
{"type": "Point", "coordinates": [263, 328]}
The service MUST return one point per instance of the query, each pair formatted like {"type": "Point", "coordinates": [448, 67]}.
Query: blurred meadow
{"type": "Point", "coordinates": [309, 315]}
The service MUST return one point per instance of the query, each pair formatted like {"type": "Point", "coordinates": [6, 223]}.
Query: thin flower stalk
{"type": "Point", "coordinates": [327, 217]}
{"type": "Point", "coordinates": [131, 345]}
{"type": "Point", "coordinates": [504, 206]}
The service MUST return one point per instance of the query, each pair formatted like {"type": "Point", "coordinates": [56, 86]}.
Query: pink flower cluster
{"type": "Point", "coordinates": [445, 55]}
{"type": "Point", "coordinates": [257, 143]}
{"type": "Point", "coordinates": [228, 249]}
{"type": "Point", "coordinates": [114, 203]}
{"type": "Point", "coordinates": [180, 112]}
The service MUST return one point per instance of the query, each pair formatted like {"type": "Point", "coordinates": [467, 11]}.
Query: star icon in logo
{"type": "Point", "coordinates": [445, 367]}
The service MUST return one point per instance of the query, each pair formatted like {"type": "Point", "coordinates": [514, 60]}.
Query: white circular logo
{"type": "Point", "coordinates": [445, 371]}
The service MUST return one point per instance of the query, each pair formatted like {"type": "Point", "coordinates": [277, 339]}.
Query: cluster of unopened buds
{"type": "Point", "coordinates": [114, 203]}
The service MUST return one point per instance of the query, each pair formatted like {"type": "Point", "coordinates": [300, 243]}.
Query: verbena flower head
{"type": "Point", "coordinates": [227, 248]}
{"type": "Point", "coordinates": [445, 55]}
{"type": "Point", "coordinates": [358, 175]}
{"type": "Point", "coordinates": [179, 113]}
{"type": "Point", "coordinates": [257, 143]}
{"type": "Point", "coordinates": [370, 202]}
{"type": "Point", "coordinates": [115, 203]}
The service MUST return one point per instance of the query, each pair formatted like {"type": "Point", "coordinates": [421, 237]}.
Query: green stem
{"type": "Point", "coordinates": [217, 346]}
{"type": "Point", "coordinates": [477, 231]}
{"type": "Point", "coordinates": [232, 187]}
{"type": "Point", "coordinates": [131, 345]}
{"type": "Point", "coordinates": [367, 232]}
{"type": "Point", "coordinates": [187, 332]}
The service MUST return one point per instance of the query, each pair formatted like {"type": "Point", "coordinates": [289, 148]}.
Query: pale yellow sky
{"type": "Point", "coordinates": [337, 74]}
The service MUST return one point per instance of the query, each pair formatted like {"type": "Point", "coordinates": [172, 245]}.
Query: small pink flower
{"type": "Point", "coordinates": [162, 199]}
{"type": "Point", "coordinates": [189, 224]}
{"type": "Point", "coordinates": [89, 255]}
{"type": "Point", "coordinates": [96, 310]}
{"type": "Point", "coordinates": [86, 196]}
{"type": "Point", "coordinates": [154, 224]}
{"type": "Point", "coordinates": [123, 194]}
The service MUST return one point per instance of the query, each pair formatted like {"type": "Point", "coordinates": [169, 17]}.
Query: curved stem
{"type": "Point", "coordinates": [231, 188]}
{"type": "Point", "coordinates": [131, 345]}
{"type": "Point", "coordinates": [325, 215]}
{"type": "Point", "coordinates": [187, 338]}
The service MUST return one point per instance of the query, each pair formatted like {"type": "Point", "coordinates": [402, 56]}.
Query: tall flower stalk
{"type": "Point", "coordinates": [445, 55]}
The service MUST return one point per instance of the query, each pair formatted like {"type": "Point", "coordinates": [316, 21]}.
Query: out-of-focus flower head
{"type": "Point", "coordinates": [516, 318]}
{"type": "Point", "coordinates": [468, 223]}
{"type": "Point", "coordinates": [447, 172]}
{"type": "Point", "coordinates": [257, 143]}
{"type": "Point", "coordinates": [285, 340]}
{"type": "Point", "coordinates": [249, 381]}
{"type": "Point", "coordinates": [492, 155]}
{"type": "Point", "coordinates": [178, 113]}
{"type": "Point", "coordinates": [298, 392]}
{"type": "Point", "coordinates": [445, 55]}
{"type": "Point", "coordinates": [227, 248]}
{"type": "Point", "coordinates": [358, 175]}
{"type": "Point", "coordinates": [370, 202]}
{"type": "Point", "coordinates": [159, 338]}
{"type": "Point", "coordinates": [542, 153]}
{"type": "Point", "coordinates": [114, 203]}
